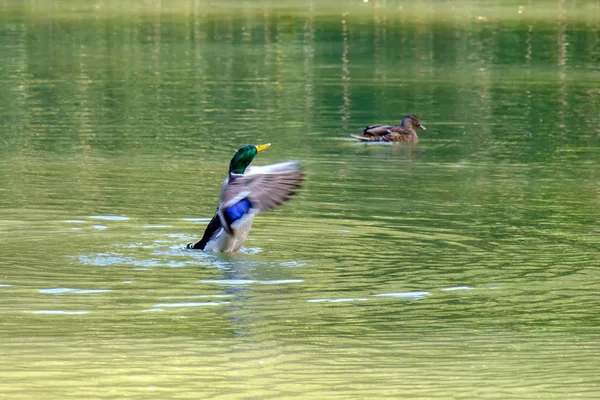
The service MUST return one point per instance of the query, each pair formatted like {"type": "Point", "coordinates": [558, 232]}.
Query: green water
{"type": "Point", "coordinates": [466, 266]}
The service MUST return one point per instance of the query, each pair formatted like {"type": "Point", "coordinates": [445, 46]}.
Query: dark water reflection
{"type": "Point", "coordinates": [416, 271]}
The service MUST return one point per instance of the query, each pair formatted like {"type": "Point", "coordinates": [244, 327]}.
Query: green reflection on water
{"type": "Point", "coordinates": [415, 271]}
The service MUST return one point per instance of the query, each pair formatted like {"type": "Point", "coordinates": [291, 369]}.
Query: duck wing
{"type": "Point", "coordinates": [377, 130]}
{"type": "Point", "coordinates": [259, 189]}
{"type": "Point", "coordinates": [374, 133]}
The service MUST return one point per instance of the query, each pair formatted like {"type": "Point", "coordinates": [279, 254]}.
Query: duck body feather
{"type": "Point", "coordinates": [218, 240]}
{"type": "Point", "coordinates": [404, 132]}
{"type": "Point", "coordinates": [242, 197]}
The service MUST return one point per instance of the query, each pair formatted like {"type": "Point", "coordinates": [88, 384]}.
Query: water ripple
{"type": "Point", "coordinates": [192, 304]}
{"type": "Point", "coordinates": [449, 289]}
{"type": "Point", "coordinates": [339, 300]}
{"type": "Point", "coordinates": [405, 295]}
{"type": "Point", "coordinates": [57, 291]}
{"type": "Point", "coordinates": [109, 217]}
{"type": "Point", "coordinates": [249, 281]}
{"type": "Point", "coordinates": [58, 312]}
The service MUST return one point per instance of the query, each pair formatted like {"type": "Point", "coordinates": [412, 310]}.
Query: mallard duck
{"type": "Point", "coordinates": [405, 132]}
{"type": "Point", "coordinates": [247, 191]}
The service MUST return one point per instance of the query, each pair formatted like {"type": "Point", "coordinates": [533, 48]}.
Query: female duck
{"type": "Point", "coordinates": [405, 132]}
{"type": "Point", "coordinates": [247, 191]}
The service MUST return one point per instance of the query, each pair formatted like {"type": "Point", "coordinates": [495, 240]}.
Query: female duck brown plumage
{"type": "Point", "coordinates": [405, 132]}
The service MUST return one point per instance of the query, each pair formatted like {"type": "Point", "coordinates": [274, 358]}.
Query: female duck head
{"type": "Point", "coordinates": [244, 156]}
{"type": "Point", "coordinates": [411, 122]}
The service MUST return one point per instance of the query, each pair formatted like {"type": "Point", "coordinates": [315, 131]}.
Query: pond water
{"type": "Point", "coordinates": [465, 266]}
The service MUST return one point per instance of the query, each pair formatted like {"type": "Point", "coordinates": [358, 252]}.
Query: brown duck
{"type": "Point", "coordinates": [405, 132]}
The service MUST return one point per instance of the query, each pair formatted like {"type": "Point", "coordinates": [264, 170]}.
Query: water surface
{"type": "Point", "coordinates": [464, 266]}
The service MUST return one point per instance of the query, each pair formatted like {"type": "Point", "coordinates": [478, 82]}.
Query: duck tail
{"type": "Point", "coordinates": [363, 138]}
{"type": "Point", "coordinates": [211, 229]}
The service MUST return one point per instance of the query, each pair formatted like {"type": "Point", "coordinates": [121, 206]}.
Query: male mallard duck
{"type": "Point", "coordinates": [246, 192]}
{"type": "Point", "coordinates": [404, 132]}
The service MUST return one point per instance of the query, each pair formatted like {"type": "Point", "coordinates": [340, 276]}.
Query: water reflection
{"type": "Point", "coordinates": [108, 77]}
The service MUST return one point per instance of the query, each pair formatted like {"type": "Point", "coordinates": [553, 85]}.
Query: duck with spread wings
{"type": "Point", "coordinates": [246, 192]}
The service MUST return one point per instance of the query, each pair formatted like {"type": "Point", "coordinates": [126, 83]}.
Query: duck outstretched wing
{"type": "Point", "coordinates": [259, 189]}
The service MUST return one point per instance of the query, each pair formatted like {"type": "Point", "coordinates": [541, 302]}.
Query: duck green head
{"type": "Point", "coordinates": [244, 156]}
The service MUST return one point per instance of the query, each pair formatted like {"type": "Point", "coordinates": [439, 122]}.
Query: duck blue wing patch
{"type": "Point", "coordinates": [237, 211]}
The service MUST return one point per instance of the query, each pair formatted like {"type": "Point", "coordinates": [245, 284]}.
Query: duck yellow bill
{"type": "Point", "coordinates": [422, 127]}
{"type": "Point", "coordinates": [261, 147]}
